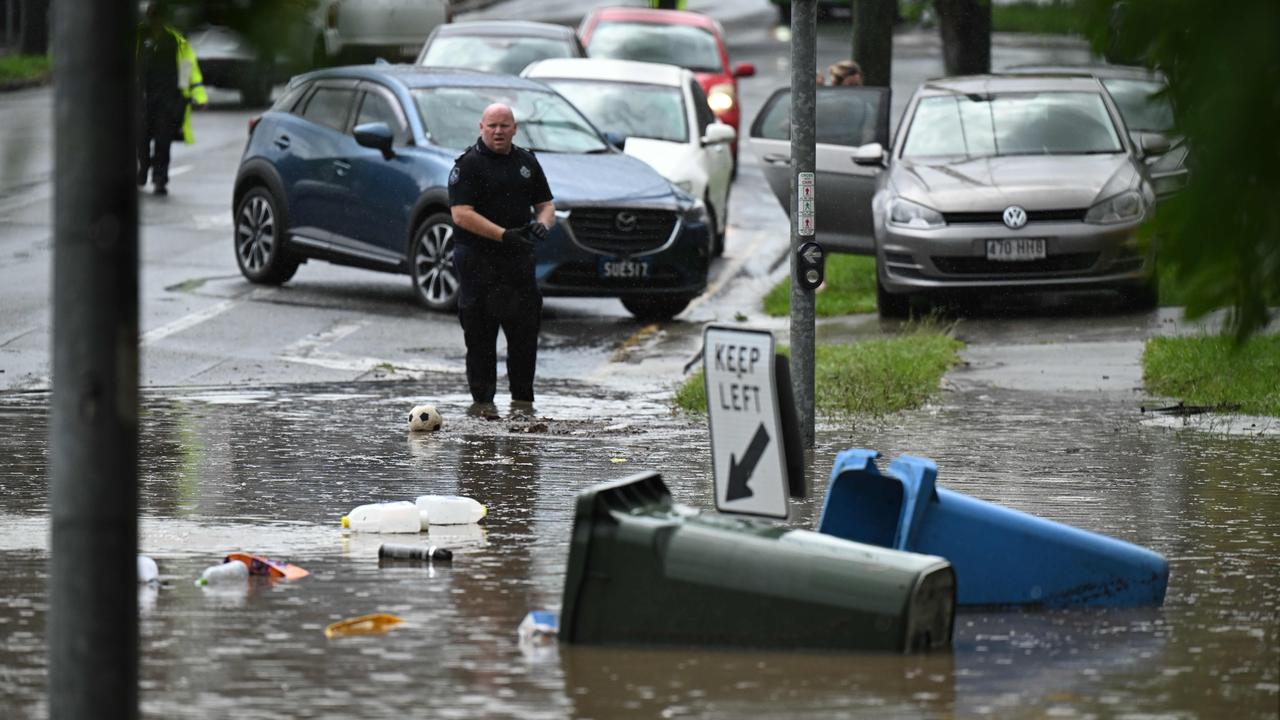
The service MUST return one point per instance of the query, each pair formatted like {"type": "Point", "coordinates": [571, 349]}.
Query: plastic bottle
{"type": "Point", "coordinates": [224, 573]}
{"type": "Point", "coordinates": [391, 517]}
{"type": "Point", "coordinates": [148, 571]}
{"type": "Point", "coordinates": [389, 551]}
{"type": "Point", "coordinates": [449, 510]}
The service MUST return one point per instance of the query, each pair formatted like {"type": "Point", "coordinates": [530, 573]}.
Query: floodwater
{"type": "Point", "coordinates": [271, 471]}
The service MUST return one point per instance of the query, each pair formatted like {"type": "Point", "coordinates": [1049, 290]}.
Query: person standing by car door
{"type": "Point", "coordinates": [169, 81]}
{"type": "Point", "coordinates": [494, 189]}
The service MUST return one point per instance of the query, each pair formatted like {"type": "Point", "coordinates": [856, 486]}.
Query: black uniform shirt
{"type": "Point", "coordinates": [502, 188]}
{"type": "Point", "coordinates": [158, 65]}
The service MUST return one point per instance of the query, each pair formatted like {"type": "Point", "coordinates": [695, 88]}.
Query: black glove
{"type": "Point", "coordinates": [517, 235]}
{"type": "Point", "coordinates": [537, 231]}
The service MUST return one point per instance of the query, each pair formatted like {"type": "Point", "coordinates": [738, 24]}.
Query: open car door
{"type": "Point", "coordinates": [847, 118]}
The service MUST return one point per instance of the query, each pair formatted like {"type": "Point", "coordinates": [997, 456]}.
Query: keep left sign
{"type": "Point", "coordinates": [747, 453]}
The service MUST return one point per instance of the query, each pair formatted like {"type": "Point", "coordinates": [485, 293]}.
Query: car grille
{"type": "Point", "coordinates": [1069, 262]}
{"type": "Point", "coordinates": [610, 231]}
{"type": "Point", "coordinates": [997, 216]}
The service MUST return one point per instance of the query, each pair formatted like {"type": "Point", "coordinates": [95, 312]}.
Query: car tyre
{"type": "Point", "coordinates": [435, 279]}
{"type": "Point", "coordinates": [655, 308]}
{"type": "Point", "coordinates": [720, 225]}
{"type": "Point", "coordinates": [890, 305]}
{"type": "Point", "coordinates": [1142, 297]}
{"type": "Point", "coordinates": [260, 229]}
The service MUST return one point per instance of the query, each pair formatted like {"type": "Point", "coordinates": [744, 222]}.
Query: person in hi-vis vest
{"type": "Point", "coordinates": [169, 81]}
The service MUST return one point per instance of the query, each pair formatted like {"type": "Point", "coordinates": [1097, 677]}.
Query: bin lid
{"type": "Point", "coordinates": [916, 475]}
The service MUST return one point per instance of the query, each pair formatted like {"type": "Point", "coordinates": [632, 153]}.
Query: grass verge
{"type": "Point", "coordinates": [851, 288]}
{"type": "Point", "coordinates": [1210, 370]}
{"type": "Point", "coordinates": [18, 70]}
{"type": "Point", "coordinates": [872, 377]}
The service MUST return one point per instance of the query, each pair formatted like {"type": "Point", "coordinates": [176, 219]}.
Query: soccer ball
{"type": "Point", "coordinates": [424, 418]}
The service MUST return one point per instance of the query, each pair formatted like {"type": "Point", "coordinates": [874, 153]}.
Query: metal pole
{"type": "Point", "coordinates": [93, 624]}
{"type": "Point", "coordinates": [804, 59]}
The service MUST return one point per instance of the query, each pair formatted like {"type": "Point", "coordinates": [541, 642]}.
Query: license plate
{"type": "Point", "coordinates": [1016, 249]}
{"type": "Point", "coordinates": [624, 269]}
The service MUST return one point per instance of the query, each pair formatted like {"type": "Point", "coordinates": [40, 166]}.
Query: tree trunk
{"type": "Point", "coordinates": [35, 27]}
{"type": "Point", "coordinates": [873, 39]}
{"type": "Point", "coordinates": [966, 35]}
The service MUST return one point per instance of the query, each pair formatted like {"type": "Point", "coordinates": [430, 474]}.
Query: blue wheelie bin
{"type": "Point", "coordinates": [1001, 557]}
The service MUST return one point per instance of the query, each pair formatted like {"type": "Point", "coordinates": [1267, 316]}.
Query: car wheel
{"type": "Point", "coordinates": [435, 281]}
{"type": "Point", "coordinates": [260, 229]}
{"type": "Point", "coordinates": [890, 305]}
{"type": "Point", "coordinates": [654, 308]}
{"type": "Point", "coordinates": [717, 232]}
{"type": "Point", "coordinates": [1142, 297]}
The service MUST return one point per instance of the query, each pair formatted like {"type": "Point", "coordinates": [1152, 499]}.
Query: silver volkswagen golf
{"type": "Point", "coordinates": [996, 184]}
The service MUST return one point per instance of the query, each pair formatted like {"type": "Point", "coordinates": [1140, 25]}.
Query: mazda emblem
{"type": "Point", "coordinates": [625, 221]}
{"type": "Point", "coordinates": [1014, 217]}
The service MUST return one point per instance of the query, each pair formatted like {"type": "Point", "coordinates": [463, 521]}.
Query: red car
{"type": "Point", "coordinates": [676, 37]}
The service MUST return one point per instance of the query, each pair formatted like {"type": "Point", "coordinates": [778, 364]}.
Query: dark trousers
{"type": "Point", "coordinates": [161, 124]}
{"type": "Point", "coordinates": [498, 291]}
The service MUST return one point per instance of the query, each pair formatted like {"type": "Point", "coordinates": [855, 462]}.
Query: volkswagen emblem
{"type": "Point", "coordinates": [625, 221]}
{"type": "Point", "coordinates": [1014, 217]}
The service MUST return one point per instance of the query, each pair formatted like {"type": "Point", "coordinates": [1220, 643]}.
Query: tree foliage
{"type": "Point", "coordinates": [1222, 60]}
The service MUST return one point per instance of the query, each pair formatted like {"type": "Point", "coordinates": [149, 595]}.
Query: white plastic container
{"type": "Point", "coordinates": [224, 573]}
{"type": "Point", "coordinates": [449, 510]}
{"type": "Point", "coordinates": [390, 517]}
{"type": "Point", "coordinates": [148, 571]}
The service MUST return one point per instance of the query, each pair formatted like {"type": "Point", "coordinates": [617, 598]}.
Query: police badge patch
{"type": "Point", "coordinates": [525, 173]}
{"type": "Point", "coordinates": [453, 175]}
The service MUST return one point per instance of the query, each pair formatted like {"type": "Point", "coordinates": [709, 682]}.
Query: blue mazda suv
{"type": "Point", "coordinates": [351, 166]}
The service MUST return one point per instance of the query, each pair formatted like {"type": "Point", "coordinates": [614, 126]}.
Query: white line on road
{"type": "Point", "coordinates": [309, 345]}
{"type": "Point", "coordinates": [729, 273]}
{"type": "Point", "coordinates": [185, 322]}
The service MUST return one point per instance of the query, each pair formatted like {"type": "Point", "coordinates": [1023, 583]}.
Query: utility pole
{"type": "Point", "coordinates": [804, 59]}
{"type": "Point", "coordinates": [93, 432]}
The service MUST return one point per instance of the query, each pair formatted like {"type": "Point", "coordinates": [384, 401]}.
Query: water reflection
{"type": "Point", "coordinates": [271, 471]}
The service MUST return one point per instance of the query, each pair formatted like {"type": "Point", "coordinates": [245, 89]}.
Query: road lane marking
{"type": "Point", "coordinates": [644, 332]}
{"type": "Point", "coordinates": [185, 322]}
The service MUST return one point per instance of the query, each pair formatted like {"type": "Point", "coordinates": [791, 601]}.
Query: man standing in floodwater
{"type": "Point", "coordinates": [501, 207]}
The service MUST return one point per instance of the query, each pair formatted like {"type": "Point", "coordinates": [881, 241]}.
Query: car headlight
{"type": "Point", "coordinates": [914, 215]}
{"type": "Point", "coordinates": [1124, 207]}
{"type": "Point", "coordinates": [720, 99]}
{"type": "Point", "coordinates": [695, 213]}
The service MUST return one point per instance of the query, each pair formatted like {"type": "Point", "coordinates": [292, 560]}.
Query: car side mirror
{"type": "Point", "coordinates": [1153, 144]}
{"type": "Point", "coordinates": [376, 135]}
{"type": "Point", "coordinates": [744, 70]}
{"type": "Point", "coordinates": [718, 133]}
{"type": "Point", "coordinates": [617, 140]}
{"type": "Point", "coordinates": [869, 154]}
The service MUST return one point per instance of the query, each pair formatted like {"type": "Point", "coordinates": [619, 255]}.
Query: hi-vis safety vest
{"type": "Point", "coordinates": [190, 81]}
{"type": "Point", "coordinates": [656, 4]}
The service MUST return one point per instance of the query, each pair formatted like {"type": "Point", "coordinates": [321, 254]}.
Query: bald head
{"type": "Point", "coordinates": [497, 128]}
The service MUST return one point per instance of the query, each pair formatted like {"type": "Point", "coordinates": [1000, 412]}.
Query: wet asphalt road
{"type": "Point", "coordinates": [261, 428]}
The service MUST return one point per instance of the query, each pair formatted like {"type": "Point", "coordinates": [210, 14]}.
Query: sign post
{"type": "Point", "coordinates": [748, 438]}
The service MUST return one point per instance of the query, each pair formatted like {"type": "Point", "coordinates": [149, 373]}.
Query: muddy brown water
{"type": "Point", "coordinates": [271, 470]}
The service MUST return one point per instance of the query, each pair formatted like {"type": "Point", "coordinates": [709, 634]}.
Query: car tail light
{"type": "Point", "coordinates": [331, 17]}
{"type": "Point", "coordinates": [253, 123]}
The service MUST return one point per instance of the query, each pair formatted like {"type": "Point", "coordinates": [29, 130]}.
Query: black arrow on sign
{"type": "Point", "coordinates": [740, 472]}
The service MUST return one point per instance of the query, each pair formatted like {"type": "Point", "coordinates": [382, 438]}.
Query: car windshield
{"type": "Point", "coordinates": [629, 109]}
{"type": "Point", "coordinates": [506, 54]}
{"type": "Point", "coordinates": [1023, 123]}
{"type": "Point", "coordinates": [1141, 105]}
{"type": "Point", "coordinates": [683, 45]}
{"type": "Point", "coordinates": [546, 122]}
